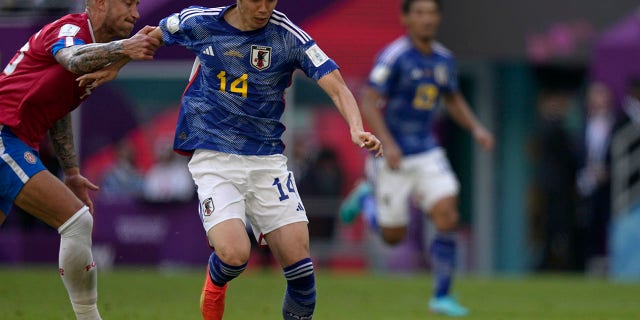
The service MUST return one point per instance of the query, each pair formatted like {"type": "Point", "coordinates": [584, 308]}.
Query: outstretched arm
{"type": "Point", "coordinates": [62, 141]}
{"type": "Point", "coordinates": [334, 86]}
{"type": "Point", "coordinates": [110, 72]}
{"type": "Point", "coordinates": [82, 59]}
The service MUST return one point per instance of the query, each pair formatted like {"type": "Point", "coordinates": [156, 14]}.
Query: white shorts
{"type": "Point", "coordinates": [259, 190]}
{"type": "Point", "coordinates": [427, 177]}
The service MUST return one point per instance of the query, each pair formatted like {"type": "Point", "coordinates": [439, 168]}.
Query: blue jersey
{"type": "Point", "coordinates": [413, 83]}
{"type": "Point", "coordinates": [235, 97]}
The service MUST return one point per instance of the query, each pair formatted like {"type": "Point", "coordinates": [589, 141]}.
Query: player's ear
{"type": "Point", "coordinates": [100, 4]}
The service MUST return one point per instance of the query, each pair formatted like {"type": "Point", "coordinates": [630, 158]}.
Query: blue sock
{"type": "Point", "coordinates": [221, 273]}
{"type": "Point", "coordinates": [300, 298]}
{"type": "Point", "coordinates": [370, 210]}
{"type": "Point", "coordinates": [443, 260]}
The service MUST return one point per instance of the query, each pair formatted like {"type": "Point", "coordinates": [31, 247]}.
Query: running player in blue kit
{"type": "Point", "coordinates": [230, 123]}
{"type": "Point", "coordinates": [406, 85]}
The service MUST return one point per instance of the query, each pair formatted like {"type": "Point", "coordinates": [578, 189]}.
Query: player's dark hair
{"type": "Point", "coordinates": [406, 5]}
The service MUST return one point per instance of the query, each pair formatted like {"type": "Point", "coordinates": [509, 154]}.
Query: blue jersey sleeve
{"type": "Point", "coordinates": [171, 35]}
{"type": "Point", "coordinates": [449, 77]}
{"type": "Point", "coordinates": [381, 76]}
{"type": "Point", "coordinates": [314, 62]}
{"type": "Point", "coordinates": [174, 28]}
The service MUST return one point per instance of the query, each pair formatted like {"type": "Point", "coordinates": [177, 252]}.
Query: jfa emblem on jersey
{"type": "Point", "coordinates": [207, 207]}
{"type": "Point", "coordinates": [260, 57]}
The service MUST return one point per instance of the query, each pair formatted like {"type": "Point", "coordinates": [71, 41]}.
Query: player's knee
{"type": "Point", "coordinates": [444, 216]}
{"type": "Point", "coordinates": [447, 222]}
{"type": "Point", "coordinates": [80, 224]}
{"type": "Point", "coordinates": [234, 255]}
{"type": "Point", "coordinates": [393, 236]}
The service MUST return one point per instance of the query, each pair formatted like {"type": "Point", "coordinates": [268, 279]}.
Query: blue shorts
{"type": "Point", "coordinates": [18, 163]}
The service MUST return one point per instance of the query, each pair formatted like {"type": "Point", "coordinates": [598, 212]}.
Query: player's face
{"type": "Point", "coordinates": [255, 14]}
{"type": "Point", "coordinates": [120, 17]}
{"type": "Point", "coordinates": [422, 20]}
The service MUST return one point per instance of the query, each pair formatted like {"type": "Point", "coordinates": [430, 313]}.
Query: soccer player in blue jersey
{"type": "Point", "coordinates": [410, 77]}
{"type": "Point", "coordinates": [230, 123]}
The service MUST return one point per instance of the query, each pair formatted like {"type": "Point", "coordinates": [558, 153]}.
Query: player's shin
{"type": "Point", "coordinates": [212, 298]}
{"type": "Point", "coordinates": [77, 268]}
{"type": "Point", "coordinates": [443, 259]}
{"type": "Point", "coordinates": [300, 297]}
{"type": "Point", "coordinates": [221, 273]}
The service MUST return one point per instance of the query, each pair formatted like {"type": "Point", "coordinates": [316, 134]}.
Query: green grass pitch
{"type": "Point", "coordinates": [140, 293]}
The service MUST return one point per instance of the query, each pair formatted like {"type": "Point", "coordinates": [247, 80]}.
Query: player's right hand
{"type": "Point", "coordinates": [369, 141]}
{"type": "Point", "coordinates": [80, 186]}
{"type": "Point", "coordinates": [484, 138]}
{"type": "Point", "coordinates": [141, 46]}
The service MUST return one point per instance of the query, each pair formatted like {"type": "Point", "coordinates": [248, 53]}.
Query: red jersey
{"type": "Point", "coordinates": [35, 90]}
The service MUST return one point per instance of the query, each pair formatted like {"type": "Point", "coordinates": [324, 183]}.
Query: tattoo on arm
{"type": "Point", "coordinates": [88, 58]}
{"type": "Point", "coordinates": [62, 141]}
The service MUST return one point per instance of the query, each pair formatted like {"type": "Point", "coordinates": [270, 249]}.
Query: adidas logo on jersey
{"type": "Point", "coordinates": [208, 51]}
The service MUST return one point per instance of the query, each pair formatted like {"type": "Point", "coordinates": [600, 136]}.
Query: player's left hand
{"type": "Point", "coordinates": [96, 78]}
{"type": "Point", "coordinates": [484, 138]}
{"type": "Point", "coordinates": [80, 187]}
{"type": "Point", "coordinates": [369, 141]}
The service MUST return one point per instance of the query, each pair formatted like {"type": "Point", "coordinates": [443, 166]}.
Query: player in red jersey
{"type": "Point", "coordinates": [38, 90]}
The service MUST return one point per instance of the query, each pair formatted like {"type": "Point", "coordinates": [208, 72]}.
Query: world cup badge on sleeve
{"type": "Point", "coordinates": [441, 73]}
{"type": "Point", "coordinates": [260, 57]}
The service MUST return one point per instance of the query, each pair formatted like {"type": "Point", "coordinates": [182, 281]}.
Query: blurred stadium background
{"type": "Point", "coordinates": [513, 56]}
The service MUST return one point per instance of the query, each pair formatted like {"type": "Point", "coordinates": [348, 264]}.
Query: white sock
{"type": "Point", "coordinates": [77, 269]}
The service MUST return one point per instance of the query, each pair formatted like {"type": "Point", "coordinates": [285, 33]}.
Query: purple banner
{"type": "Point", "coordinates": [615, 56]}
{"type": "Point", "coordinates": [125, 232]}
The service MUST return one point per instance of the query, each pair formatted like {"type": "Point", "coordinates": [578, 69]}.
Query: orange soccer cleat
{"type": "Point", "coordinates": [212, 299]}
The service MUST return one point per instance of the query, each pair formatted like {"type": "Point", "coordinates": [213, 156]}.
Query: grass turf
{"type": "Point", "coordinates": [148, 293]}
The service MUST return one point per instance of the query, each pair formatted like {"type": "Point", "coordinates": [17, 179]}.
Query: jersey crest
{"type": "Point", "coordinates": [29, 157]}
{"type": "Point", "coordinates": [207, 207]}
{"type": "Point", "coordinates": [260, 57]}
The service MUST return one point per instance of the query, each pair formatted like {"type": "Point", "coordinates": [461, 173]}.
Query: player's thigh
{"type": "Point", "coordinates": [392, 191]}
{"type": "Point", "coordinates": [230, 241]}
{"type": "Point", "coordinates": [45, 197]}
{"type": "Point", "coordinates": [273, 201]}
{"type": "Point", "coordinates": [435, 181]}
{"type": "Point", "coordinates": [220, 189]}
{"type": "Point", "coordinates": [289, 243]}
{"type": "Point", "coordinates": [19, 163]}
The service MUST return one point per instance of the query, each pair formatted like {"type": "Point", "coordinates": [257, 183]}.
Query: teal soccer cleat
{"type": "Point", "coordinates": [447, 306]}
{"type": "Point", "coordinates": [352, 204]}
